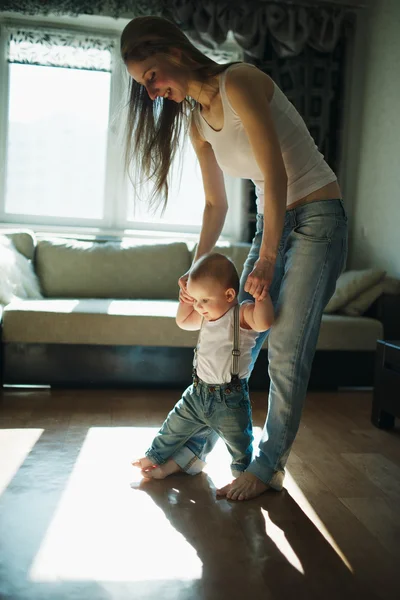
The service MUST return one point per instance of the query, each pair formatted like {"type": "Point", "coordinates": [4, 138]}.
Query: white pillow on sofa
{"type": "Point", "coordinates": [362, 302]}
{"type": "Point", "coordinates": [17, 277]}
{"type": "Point", "coordinates": [351, 284]}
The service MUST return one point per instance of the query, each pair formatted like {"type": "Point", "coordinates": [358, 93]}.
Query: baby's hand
{"type": "Point", "coordinates": [183, 295]}
{"type": "Point", "coordinates": [185, 298]}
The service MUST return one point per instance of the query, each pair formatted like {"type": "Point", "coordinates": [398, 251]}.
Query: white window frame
{"type": "Point", "coordinates": [114, 222]}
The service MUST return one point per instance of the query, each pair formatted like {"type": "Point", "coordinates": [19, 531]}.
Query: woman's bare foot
{"type": "Point", "coordinates": [151, 471]}
{"type": "Point", "coordinates": [245, 487]}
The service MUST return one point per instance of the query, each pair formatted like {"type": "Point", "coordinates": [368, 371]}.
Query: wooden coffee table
{"type": "Point", "coordinates": [386, 400]}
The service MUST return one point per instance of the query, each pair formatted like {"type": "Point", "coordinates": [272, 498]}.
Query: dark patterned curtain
{"type": "Point", "coordinates": [114, 8]}
{"type": "Point", "coordinates": [289, 25]}
{"type": "Point", "coordinates": [314, 83]}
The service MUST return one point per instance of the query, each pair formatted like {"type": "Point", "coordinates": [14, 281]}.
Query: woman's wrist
{"type": "Point", "coordinates": [269, 246]}
{"type": "Point", "coordinates": [267, 255]}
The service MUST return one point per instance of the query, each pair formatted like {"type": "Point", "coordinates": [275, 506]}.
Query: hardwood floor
{"type": "Point", "coordinates": [77, 523]}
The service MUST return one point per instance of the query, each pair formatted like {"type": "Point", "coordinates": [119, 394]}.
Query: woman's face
{"type": "Point", "coordinates": [159, 77]}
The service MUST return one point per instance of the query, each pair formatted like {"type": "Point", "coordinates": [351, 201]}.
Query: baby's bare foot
{"type": "Point", "coordinates": [161, 471]}
{"type": "Point", "coordinates": [143, 463]}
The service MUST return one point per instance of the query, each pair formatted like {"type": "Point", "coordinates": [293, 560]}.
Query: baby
{"type": "Point", "coordinates": [218, 396]}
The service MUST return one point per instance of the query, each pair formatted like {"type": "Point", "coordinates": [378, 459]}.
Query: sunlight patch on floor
{"type": "Point", "coordinates": [15, 445]}
{"type": "Point", "coordinates": [103, 530]}
{"type": "Point", "coordinates": [277, 535]}
{"type": "Point", "coordinates": [301, 500]}
{"type": "Point", "coordinates": [219, 461]}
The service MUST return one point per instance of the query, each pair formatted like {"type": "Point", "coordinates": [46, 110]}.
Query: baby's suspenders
{"type": "Point", "coordinates": [236, 345]}
{"type": "Point", "coordinates": [236, 342]}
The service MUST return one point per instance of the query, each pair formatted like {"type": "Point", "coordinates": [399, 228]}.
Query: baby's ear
{"type": "Point", "coordinates": [230, 294]}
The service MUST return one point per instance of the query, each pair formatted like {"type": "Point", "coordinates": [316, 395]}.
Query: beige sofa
{"type": "Point", "coordinates": [107, 317]}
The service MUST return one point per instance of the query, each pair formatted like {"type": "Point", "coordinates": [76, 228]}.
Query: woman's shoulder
{"type": "Point", "coordinates": [246, 77]}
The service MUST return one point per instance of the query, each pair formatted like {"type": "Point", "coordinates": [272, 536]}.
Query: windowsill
{"type": "Point", "coordinates": [91, 233]}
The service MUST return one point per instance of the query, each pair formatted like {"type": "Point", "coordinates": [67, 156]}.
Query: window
{"type": "Point", "coordinates": [57, 126]}
{"type": "Point", "coordinates": [185, 198]}
{"type": "Point", "coordinates": [61, 158]}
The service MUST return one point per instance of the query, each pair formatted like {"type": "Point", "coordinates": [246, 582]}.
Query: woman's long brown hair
{"type": "Point", "coordinates": [154, 127]}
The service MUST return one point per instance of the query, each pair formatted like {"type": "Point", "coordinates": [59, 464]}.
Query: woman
{"type": "Point", "coordinates": [242, 124]}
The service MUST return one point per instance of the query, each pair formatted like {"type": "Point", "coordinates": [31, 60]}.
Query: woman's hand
{"type": "Point", "coordinates": [260, 279]}
{"type": "Point", "coordinates": [183, 295]}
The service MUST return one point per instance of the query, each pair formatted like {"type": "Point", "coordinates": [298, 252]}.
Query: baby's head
{"type": "Point", "coordinates": [214, 284]}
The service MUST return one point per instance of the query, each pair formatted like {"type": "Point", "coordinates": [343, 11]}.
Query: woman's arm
{"type": "Point", "coordinates": [249, 91]}
{"type": "Point", "coordinates": [215, 195]}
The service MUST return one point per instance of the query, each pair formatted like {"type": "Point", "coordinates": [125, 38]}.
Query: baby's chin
{"type": "Point", "coordinates": [213, 317]}
{"type": "Point", "coordinates": [207, 317]}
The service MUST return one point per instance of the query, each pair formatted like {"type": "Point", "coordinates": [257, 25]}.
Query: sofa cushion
{"type": "Point", "coordinates": [146, 323]}
{"type": "Point", "coordinates": [339, 332]}
{"type": "Point", "coordinates": [95, 321]}
{"type": "Point", "coordinates": [74, 269]}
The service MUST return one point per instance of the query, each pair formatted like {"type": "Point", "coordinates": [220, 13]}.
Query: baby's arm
{"type": "Point", "coordinates": [188, 318]}
{"type": "Point", "coordinates": [258, 315]}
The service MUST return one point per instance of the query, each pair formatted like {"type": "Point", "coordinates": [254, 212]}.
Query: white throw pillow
{"type": "Point", "coordinates": [351, 284]}
{"type": "Point", "coordinates": [362, 302]}
{"type": "Point", "coordinates": [17, 277]}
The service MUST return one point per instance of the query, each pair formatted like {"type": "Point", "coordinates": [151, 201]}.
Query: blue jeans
{"type": "Point", "coordinates": [312, 254]}
{"type": "Point", "coordinates": [224, 409]}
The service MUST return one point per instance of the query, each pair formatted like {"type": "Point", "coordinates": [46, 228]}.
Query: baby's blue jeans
{"type": "Point", "coordinates": [223, 409]}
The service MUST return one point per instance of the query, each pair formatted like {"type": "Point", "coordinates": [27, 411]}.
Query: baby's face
{"type": "Point", "coordinates": [211, 299]}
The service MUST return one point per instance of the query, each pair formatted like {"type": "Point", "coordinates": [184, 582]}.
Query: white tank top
{"type": "Point", "coordinates": [214, 350]}
{"type": "Point", "coordinates": [305, 166]}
